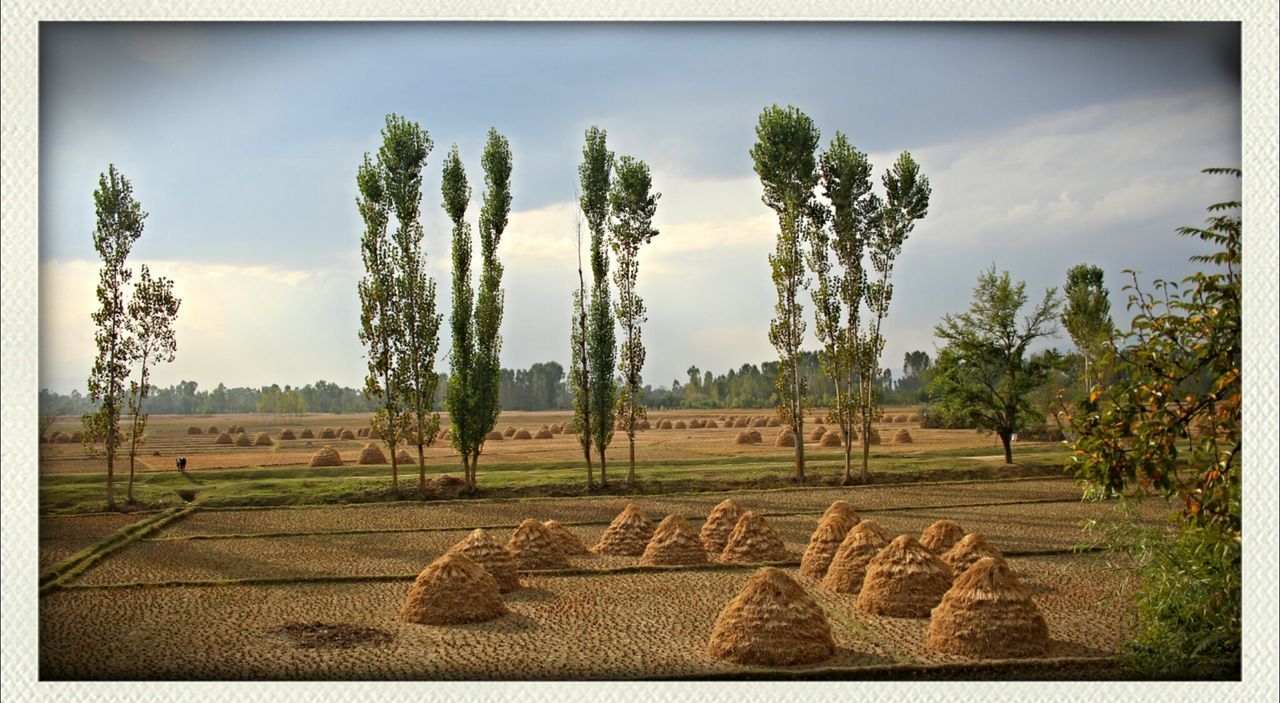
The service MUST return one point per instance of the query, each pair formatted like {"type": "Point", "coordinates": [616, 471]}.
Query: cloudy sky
{"type": "Point", "coordinates": [1047, 145]}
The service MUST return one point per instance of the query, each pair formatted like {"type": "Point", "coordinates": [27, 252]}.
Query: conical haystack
{"type": "Point", "coordinates": [642, 425]}
{"type": "Point", "coordinates": [192, 429]}
{"type": "Point", "coordinates": [306, 433]}
{"type": "Point", "coordinates": [772, 621]}
{"type": "Point", "coordinates": [242, 440]}
{"type": "Point", "coordinates": [744, 438]}
{"type": "Point", "coordinates": [833, 526]}
{"type": "Point", "coordinates": [753, 540]}
{"type": "Point", "coordinates": [566, 540]}
{"type": "Point", "coordinates": [712, 425]}
{"type": "Point", "coordinates": [741, 422]}
{"type": "Point", "coordinates": [627, 535]}
{"type": "Point", "coordinates": [533, 547]}
{"type": "Point", "coordinates": [988, 614]}
{"type": "Point", "coordinates": [362, 432]}
{"type": "Point", "coordinates": [522, 434]}
{"type": "Point", "coordinates": [817, 433]}
{"type": "Point", "coordinates": [941, 536]}
{"type": "Point", "coordinates": [213, 429]}
{"type": "Point", "coordinates": [347, 434]}
{"type": "Point", "coordinates": [680, 425]}
{"type": "Point", "coordinates": [873, 436]}
{"type": "Point", "coordinates": [760, 422]}
{"type": "Point", "coordinates": [719, 525]}
{"type": "Point", "coordinates": [287, 434]}
{"type": "Point", "coordinates": [328, 433]}
{"type": "Point", "coordinates": [371, 454]}
{"type": "Point", "coordinates": [488, 551]}
{"type": "Point", "coordinates": [755, 436]}
{"type": "Point", "coordinates": [673, 543]}
{"type": "Point", "coordinates": [916, 418]}
{"type": "Point", "coordinates": [223, 438]}
{"type": "Point", "coordinates": [905, 580]}
{"type": "Point", "coordinates": [902, 437]}
{"type": "Point", "coordinates": [403, 458]}
{"type": "Point", "coordinates": [849, 565]}
{"type": "Point", "coordinates": [453, 590]}
{"type": "Point", "coordinates": [493, 435]}
{"type": "Point", "coordinates": [543, 434]}
{"type": "Point", "coordinates": [831, 439]}
{"type": "Point", "coordinates": [509, 432]}
{"type": "Point", "coordinates": [785, 438]}
{"type": "Point", "coordinates": [697, 424]}
{"type": "Point", "coordinates": [262, 439]}
{"type": "Point", "coordinates": [664, 424]}
{"type": "Point", "coordinates": [327, 456]}
{"type": "Point", "coordinates": [967, 552]}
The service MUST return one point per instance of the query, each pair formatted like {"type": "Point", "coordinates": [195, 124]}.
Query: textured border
{"type": "Point", "coordinates": [18, 326]}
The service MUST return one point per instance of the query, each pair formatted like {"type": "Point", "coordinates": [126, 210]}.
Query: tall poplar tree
{"type": "Point", "coordinates": [784, 157]}
{"type": "Point", "coordinates": [579, 363]}
{"type": "Point", "coordinates": [632, 206]}
{"type": "Point", "coordinates": [152, 311]}
{"type": "Point", "coordinates": [1087, 315]}
{"type": "Point", "coordinates": [120, 224]}
{"type": "Point", "coordinates": [594, 172]}
{"type": "Point", "coordinates": [461, 394]}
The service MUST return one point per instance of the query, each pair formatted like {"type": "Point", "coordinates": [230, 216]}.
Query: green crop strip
{"type": "Point", "coordinates": [62, 574]}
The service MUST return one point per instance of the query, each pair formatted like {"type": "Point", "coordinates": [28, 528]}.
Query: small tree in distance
{"type": "Point", "coordinates": [152, 312]}
{"type": "Point", "coordinates": [1087, 315]}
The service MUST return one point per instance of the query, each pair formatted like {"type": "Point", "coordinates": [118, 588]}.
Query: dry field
{"type": "Point", "coordinates": [206, 596]}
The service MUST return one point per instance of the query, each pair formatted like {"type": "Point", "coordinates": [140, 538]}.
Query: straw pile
{"type": "Point", "coordinates": [697, 424]}
{"type": "Point", "coordinates": [533, 547]}
{"type": "Point", "coordinates": [543, 434]}
{"type": "Point", "coordinates": [223, 438]}
{"type": "Point", "coordinates": [712, 425]}
{"type": "Point", "coordinates": [362, 432]}
{"type": "Point", "coordinates": [664, 424]}
{"type": "Point", "coordinates": [453, 590]}
{"type": "Point", "coordinates": [916, 418]}
{"type": "Point", "coordinates": [328, 433]}
{"type": "Point", "coordinates": [719, 525]}
{"type": "Point", "coordinates": [673, 543]}
{"type": "Point", "coordinates": [371, 454]}
{"type": "Point", "coordinates": [873, 437]}
{"type": "Point", "coordinates": [742, 422]}
{"type": "Point", "coordinates": [642, 425]}
{"type": "Point", "coordinates": [760, 422]}
{"type": "Point", "coordinates": [753, 540]}
{"type": "Point", "coordinates": [903, 419]}
{"type": "Point", "coordinates": [849, 565]}
{"type": "Point", "coordinates": [772, 621]}
{"type": "Point", "coordinates": [988, 614]}
{"type": "Point", "coordinates": [287, 434]}
{"type": "Point", "coordinates": [773, 422]}
{"type": "Point", "coordinates": [902, 436]}
{"type": "Point", "coordinates": [627, 535]}
{"type": "Point", "coordinates": [831, 439]}
{"type": "Point", "coordinates": [326, 457]}
{"type": "Point", "coordinates": [785, 438]}
{"type": "Point", "coordinates": [402, 457]}
{"type": "Point", "coordinates": [510, 431]}
{"type": "Point", "coordinates": [242, 440]}
{"type": "Point", "coordinates": [213, 429]}
{"type": "Point", "coordinates": [941, 536]}
{"type": "Point", "coordinates": [566, 540]}
{"type": "Point", "coordinates": [825, 541]}
{"type": "Point", "coordinates": [545, 427]}
{"type": "Point", "coordinates": [78, 436]}
{"type": "Point", "coordinates": [486, 550]}
{"type": "Point", "coordinates": [905, 580]}
{"type": "Point", "coordinates": [493, 434]}
{"type": "Point", "coordinates": [557, 429]}
{"type": "Point", "coordinates": [347, 434]}
{"type": "Point", "coordinates": [967, 552]}
{"type": "Point", "coordinates": [262, 439]}
{"type": "Point", "coordinates": [744, 438]}
{"type": "Point", "coordinates": [192, 429]}
{"type": "Point", "coordinates": [817, 433]}
{"type": "Point", "coordinates": [306, 433]}
{"type": "Point", "coordinates": [522, 434]}
{"type": "Point", "coordinates": [680, 425]}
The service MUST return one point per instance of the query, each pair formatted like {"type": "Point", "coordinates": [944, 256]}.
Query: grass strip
{"type": "Point", "coordinates": [69, 569]}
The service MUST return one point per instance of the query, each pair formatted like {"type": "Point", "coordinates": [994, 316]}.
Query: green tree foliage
{"type": "Point", "coordinates": [984, 372]}
{"type": "Point", "coordinates": [1087, 315]}
{"type": "Point", "coordinates": [460, 398]}
{"type": "Point", "coordinates": [784, 159]}
{"type": "Point", "coordinates": [595, 174]}
{"type": "Point", "coordinates": [152, 311]}
{"type": "Point", "coordinates": [120, 224]}
{"type": "Point", "coordinates": [632, 205]}
{"type": "Point", "coordinates": [579, 364]}
{"type": "Point", "coordinates": [1175, 375]}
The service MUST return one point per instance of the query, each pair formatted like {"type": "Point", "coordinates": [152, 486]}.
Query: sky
{"type": "Point", "coordinates": [1046, 145]}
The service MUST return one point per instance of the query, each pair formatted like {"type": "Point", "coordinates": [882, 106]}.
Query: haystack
{"type": "Point", "coordinates": [403, 457]}
{"type": "Point", "coordinates": [902, 436]}
{"type": "Point", "coordinates": [773, 422]}
{"type": "Point", "coordinates": [493, 435]}
{"type": "Point", "coordinates": [760, 422]}
{"type": "Point", "coordinates": [817, 433]}
{"type": "Point", "coordinates": [362, 432]}
{"type": "Point", "coordinates": [664, 424]}
{"type": "Point", "coordinates": [328, 433]}
{"type": "Point", "coordinates": [712, 425]}
{"type": "Point", "coordinates": [831, 439]}
{"type": "Point", "coordinates": [262, 439]}
{"type": "Point", "coordinates": [192, 429]}
{"type": "Point", "coordinates": [509, 431]}
{"type": "Point", "coordinates": [522, 434]}
{"type": "Point", "coordinates": [543, 434]}
{"type": "Point", "coordinates": [755, 436]}
{"type": "Point", "coordinates": [327, 456]}
{"type": "Point", "coordinates": [873, 437]}
{"type": "Point", "coordinates": [453, 590]}
{"type": "Point", "coordinates": [785, 438]}
{"type": "Point", "coordinates": [719, 525]}
{"type": "Point", "coordinates": [242, 440]}
{"type": "Point", "coordinates": [967, 552]}
{"type": "Point", "coordinates": [916, 418]}
{"type": "Point", "coordinates": [744, 438]}
{"type": "Point", "coordinates": [905, 580]}
{"type": "Point", "coordinates": [213, 429]}
{"type": "Point", "coordinates": [849, 565]}
{"type": "Point", "coordinates": [223, 438]}
{"type": "Point", "coordinates": [557, 429]}
{"type": "Point", "coordinates": [533, 547]}
{"type": "Point", "coordinates": [347, 434]}
{"type": "Point", "coordinates": [697, 424]}
{"type": "Point", "coordinates": [642, 425]}
{"type": "Point", "coordinates": [371, 454]}
{"type": "Point", "coordinates": [988, 614]}
{"type": "Point", "coordinates": [680, 425]}
{"type": "Point", "coordinates": [306, 433]}
{"type": "Point", "coordinates": [78, 436]}
{"type": "Point", "coordinates": [486, 550]}
{"type": "Point", "coordinates": [941, 536]}
{"type": "Point", "coordinates": [566, 540]}
{"type": "Point", "coordinates": [237, 428]}
{"type": "Point", "coordinates": [742, 422]}
{"type": "Point", "coordinates": [287, 434]}
{"type": "Point", "coordinates": [627, 535]}
{"type": "Point", "coordinates": [545, 427]}
{"type": "Point", "coordinates": [753, 540]}
{"type": "Point", "coordinates": [673, 543]}
{"type": "Point", "coordinates": [825, 541]}
{"type": "Point", "coordinates": [903, 419]}
{"type": "Point", "coordinates": [772, 621]}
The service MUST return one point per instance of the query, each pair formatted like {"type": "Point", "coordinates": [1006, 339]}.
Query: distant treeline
{"type": "Point", "coordinates": [542, 386]}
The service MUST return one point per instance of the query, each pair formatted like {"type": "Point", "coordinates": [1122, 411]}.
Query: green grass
{"type": "Point", "coordinates": [63, 573]}
{"type": "Point", "coordinates": [78, 493]}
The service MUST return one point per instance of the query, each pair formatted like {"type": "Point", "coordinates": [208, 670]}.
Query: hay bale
{"type": "Point", "coordinates": [816, 434]}
{"type": "Point", "coordinates": [371, 454]}
{"type": "Point", "coordinates": [444, 487]}
{"type": "Point", "coordinates": [902, 437]}
{"type": "Point", "coordinates": [453, 590]}
{"type": "Point", "coordinates": [712, 425]}
{"type": "Point", "coordinates": [719, 525]}
{"type": "Point", "coordinates": [362, 432]}
{"type": "Point", "coordinates": [522, 434]}
{"type": "Point", "coordinates": [916, 418]}
{"type": "Point", "coordinates": [78, 436]}
{"type": "Point", "coordinates": [533, 547]}
{"type": "Point", "coordinates": [404, 458]}
{"type": "Point", "coordinates": [905, 580]}
{"type": "Point", "coordinates": [627, 535]}
{"type": "Point", "coordinates": [742, 438]}
{"type": "Point", "coordinates": [873, 437]}
{"type": "Point", "coordinates": [642, 425]}
{"type": "Point", "coordinates": [223, 438]}
{"type": "Point", "coordinates": [680, 425]}
{"type": "Point", "coordinates": [306, 433]}
{"type": "Point", "coordinates": [988, 614]}
{"type": "Point", "coordinates": [543, 434]}
{"type": "Point", "coordinates": [192, 429]}
{"type": "Point", "coordinates": [967, 552]}
{"type": "Point", "coordinates": [557, 429]}
{"type": "Point", "coordinates": [213, 429]}
{"type": "Point", "coordinates": [328, 433]}
{"type": "Point", "coordinates": [697, 424]}
{"type": "Point", "coordinates": [347, 434]}
{"type": "Point", "coordinates": [664, 424]}
{"type": "Point", "coordinates": [493, 435]}
{"type": "Point", "coordinates": [566, 540]}
{"type": "Point", "coordinates": [327, 456]}
{"type": "Point", "coordinates": [848, 566]}
{"type": "Point", "coordinates": [242, 440]}
{"type": "Point", "coordinates": [831, 439]}
{"type": "Point", "coordinates": [673, 543]}
{"type": "Point", "coordinates": [760, 422]}
{"type": "Point", "coordinates": [287, 434]}
{"type": "Point", "coordinates": [510, 431]}
{"type": "Point", "coordinates": [237, 429]}
{"type": "Point", "coordinates": [773, 422]}
{"type": "Point", "coordinates": [262, 439]}
{"type": "Point", "coordinates": [741, 422]}
{"type": "Point", "coordinates": [903, 419]}
{"type": "Point", "coordinates": [755, 436]}
{"type": "Point", "coordinates": [826, 540]}
{"type": "Point", "coordinates": [941, 536]}
{"type": "Point", "coordinates": [772, 621]}
{"type": "Point", "coordinates": [753, 540]}
{"type": "Point", "coordinates": [488, 551]}
{"type": "Point", "coordinates": [785, 438]}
